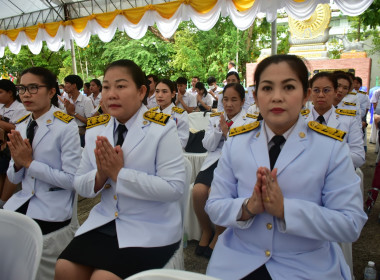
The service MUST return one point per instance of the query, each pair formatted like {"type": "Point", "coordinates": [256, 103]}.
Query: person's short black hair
{"type": "Point", "coordinates": [238, 88]}
{"type": "Point", "coordinates": [233, 73]}
{"type": "Point", "coordinates": [181, 81]}
{"type": "Point", "coordinates": [154, 77]}
{"type": "Point", "coordinates": [196, 77]}
{"type": "Point", "coordinates": [345, 77]}
{"type": "Point", "coordinates": [132, 69]}
{"type": "Point", "coordinates": [8, 85]}
{"type": "Point", "coordinates": [295, 63]}
{"type": "Point", "coordinates": [232, 63]}
{"type": "Point", "coordinates": [211, 80]}
{"type": "Point", "coordinates": [87, 85]}
{"type": "Point", "coordinates": [328, 75]}
{"type": "Point", "coordinates": [74, 79]}
{"type": "Point", "coordinates": [201, 87]}
{"type": "Point", "coordinates": [359, 80]}
{"type": "Point", "coordinates": [98, 83]}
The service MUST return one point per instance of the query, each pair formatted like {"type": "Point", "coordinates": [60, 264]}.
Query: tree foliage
{"type": "Point", "coordinates": [191, 52]}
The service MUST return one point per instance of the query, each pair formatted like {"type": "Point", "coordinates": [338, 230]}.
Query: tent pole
{"type": "Point", "coordinates": [274, 36]}
{"type": "Point", "coordinates": [73, 59]}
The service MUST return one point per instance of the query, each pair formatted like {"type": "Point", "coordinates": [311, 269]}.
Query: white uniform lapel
{"type": "Point", "coordinates": [135, 133]}
{"type": "Point", "coordinates": [43, 127]}
{"type": "Point", "coordinates": [259, 148]}
{"type": "Point", "coordinates": [333, 120]}
{"type": "Point", "coordinates": [294, 145]}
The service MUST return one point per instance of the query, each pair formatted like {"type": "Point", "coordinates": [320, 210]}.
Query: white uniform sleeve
{"type": "Point", "coordinates": [213, 135]}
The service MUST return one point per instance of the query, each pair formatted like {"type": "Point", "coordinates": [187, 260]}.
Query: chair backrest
{"type": "Point", "coordinates": [199, 120]}
{"type": "Point", "coordinates": [169, 274]}
{"type": "Point", "coordinates": [21, 246]}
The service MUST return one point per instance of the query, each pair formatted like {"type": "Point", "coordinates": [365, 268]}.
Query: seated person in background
{"type": "Point", "coordinates": [233, 77]}
{"type": "Point", "coordinates": [214, 90]}
{"type": "Point", "coordinates": [323, 90]}
{"type": "Point", "coordinates": [192, 90]}
{"type": "Point", "coordinates": [86, 89]}
{"type": "Point", "coordinates": [11, 110]}
{"type": "Point", "coordinates": [344, 85]}
{"type": "Point", "coordinates": [284, 190]}
{"type": "Point", "coordinates": [45, 156]}
{"type": "Point", "coordinates": [78, 106]}
{"type": "Point", "coordinates": [96, 92]}
{"type": "Point", "coordinates": [216, 134]}
{"type": "Point", "coordinates": [184, 99]}
{"type": "Point", "coordinates": [165, 91]}
{"type": "Point", "coordinates": [151, 97]}
{"type": "Point", "coordinates": [204, 99]}
{"type": "Point", "coordinates": [138, 224]}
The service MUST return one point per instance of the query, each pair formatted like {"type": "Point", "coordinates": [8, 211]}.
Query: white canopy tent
{"type": "Point", "coordinates": [58, 22]}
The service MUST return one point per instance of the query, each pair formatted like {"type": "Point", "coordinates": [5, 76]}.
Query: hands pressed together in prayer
{"type": "Point", "coordinates": [266, 196]}
{"type": "Point", "coordinates": [109, 161]}
{"type": "Point", "coordinates": [21, 150]}
{"type": "Point", "coordinates": [223, 125]}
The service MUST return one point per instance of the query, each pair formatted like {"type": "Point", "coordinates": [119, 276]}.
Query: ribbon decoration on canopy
{"type": "Point", "coordinates": [166, 16]}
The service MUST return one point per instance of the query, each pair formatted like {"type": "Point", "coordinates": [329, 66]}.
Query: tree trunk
{"type": "Point", "coordinates": [158, 34]}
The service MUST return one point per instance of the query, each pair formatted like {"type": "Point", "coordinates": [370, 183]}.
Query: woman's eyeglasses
{"type": "Point", "coordinates": [32, 89]}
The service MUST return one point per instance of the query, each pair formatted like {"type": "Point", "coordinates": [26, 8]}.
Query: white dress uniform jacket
{"type": "Point", "coordinates": [253, 110]}
{"type": "Point", "coordinates": [144, 201]}
{"type": "Point", "coordinates": [351, 102]}
{"type": "Point", "coordinates": [181, 120]}
{"type": "Point", "coordinates": [13, 112]}
{"type": "Point", "coordinates": [213, 140]}
{"type": "Point", "coordinates": [48, 182]}
{"type": "Point", "coordinates": [322, 205]}
{"type": "Point", "coordinates": [354, 136]}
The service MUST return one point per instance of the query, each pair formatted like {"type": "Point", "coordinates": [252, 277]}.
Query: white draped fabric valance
{"type": "Point", "coordinates": [167, 17]}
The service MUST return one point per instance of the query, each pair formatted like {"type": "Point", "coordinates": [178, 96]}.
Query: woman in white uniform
{"type": "Point", "coordinates": [11, 109]}
{"type": "Point", "coordinates": [45, 152]}
{"type": "Point", "coordinates": [138, 224]}
{"type": "Point", "coordinates": [216, 135]}
{"type": "Point", "coordinates": [284, 188]}
{"type": "Point", "coordinates": [165, 92]}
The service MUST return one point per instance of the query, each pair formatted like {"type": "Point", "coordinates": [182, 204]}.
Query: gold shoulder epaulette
{"type": "Point", "coordinates": [326, 130]}
{"type": "Point", "coordinates": [63, 117]}
{"type": "Point", "coordinates": [178, 110]}
{"type": "Point", "coordinates": [216, 114]}
{"type": "Point", "coordinates": [352, 93]}
{"type": "Point", "coordinates": [305, 112]}
{"type": "Point", "coordinates": [155, 117]}
{"type": "Point", "coordinates": [363, 92]}
{"type": "Point", "coordinates": [349, 103]}
{"type": "Point", "coordinates": [346, 112]}
{"type": "Point", "coordinates": [252, 116]}
{"type": "Point", "coordinates": [154, 108]}
{"type": "Point", "coordinates": [98, 120]}
{"type": "Point", "coordinates": [23, 118]}
{"type": "Point", "coordinates": [244, 128]}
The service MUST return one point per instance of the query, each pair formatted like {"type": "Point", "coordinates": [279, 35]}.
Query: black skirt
{"type": "Point", "coordinates": [206, 176]}
{"type": "Point", "coordinates": [101, 251]}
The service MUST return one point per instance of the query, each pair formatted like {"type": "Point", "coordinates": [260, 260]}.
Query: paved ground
{"type": "Point", "coordinates": [365, 249]}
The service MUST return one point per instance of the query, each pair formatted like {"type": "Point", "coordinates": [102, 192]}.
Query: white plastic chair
{"type": "Point", "coordinates": [177, 261]}
{"type": "Point", "coordinates": [169, 274]}
{"type": "Point", "coordinates": [20, 246]}
{"type": "Point", "coordinates": [198, 120]}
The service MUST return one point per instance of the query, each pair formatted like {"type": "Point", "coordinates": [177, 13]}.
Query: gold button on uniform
{"type": "Point", "coordinates": [107, 186]}
{"type": "Point", "coordinates": [116, 214]}
{"type": "Point", "coordinates": [32, 192]}
{"type": "Point", "coordinates": [269, 226]}
{"type": "Point", "coordinates": [115, 197]}
{"type": "Point", "coordinates": [267, 253]}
